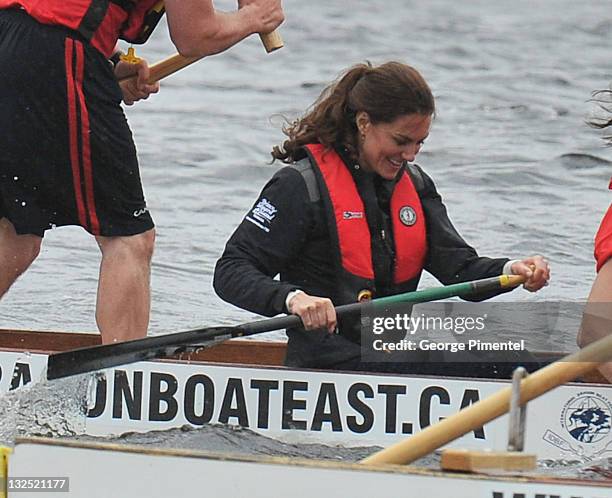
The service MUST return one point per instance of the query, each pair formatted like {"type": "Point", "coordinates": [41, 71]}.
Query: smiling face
{"type": "Point", "coordinates": [384, 147]}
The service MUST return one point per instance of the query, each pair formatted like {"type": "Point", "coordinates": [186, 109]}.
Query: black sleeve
{"type": "Point", "coordinates": [450, 258]}
{"type": "Point", "coordinates": [271, 234]}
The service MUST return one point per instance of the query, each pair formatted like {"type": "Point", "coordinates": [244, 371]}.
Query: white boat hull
{"type": "Point", "coordinates": [102, 471]}
{"type": "Point", "coordinates": [325, 407]}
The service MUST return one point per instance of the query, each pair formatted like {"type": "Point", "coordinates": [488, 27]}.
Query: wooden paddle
{"type": "Point", "coordinates": [478, 414]}
{"type": "Point", "coordinates": [95, 358]}
{"type": "Point", "coordinates": [271, 42]}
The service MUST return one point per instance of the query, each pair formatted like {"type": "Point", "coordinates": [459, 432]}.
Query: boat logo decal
{"type": "Point", "coordinates": [586, 419]}
{"type": "Point", "coordinates": [262, 214]}
{"type": "Point", "coordinates": [407, 216]}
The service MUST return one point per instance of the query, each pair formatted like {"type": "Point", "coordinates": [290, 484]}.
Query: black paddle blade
{"type": "Point", "coordinates": [85, 360]}
{"type": "Point", "coordinates": [79, 361]}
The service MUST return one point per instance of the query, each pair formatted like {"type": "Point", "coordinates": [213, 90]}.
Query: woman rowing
{"type": "Point", "coordinates": [351, 215]}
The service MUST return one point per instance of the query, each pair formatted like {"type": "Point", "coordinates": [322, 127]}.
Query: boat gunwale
{"type": "Point", "coordinates": [305, 462]}
{"type": "Point", "coordinates": [210, 356]}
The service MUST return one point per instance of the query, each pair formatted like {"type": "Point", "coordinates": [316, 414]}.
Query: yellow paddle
{"type": "Point", "coordinates": [271, 41]}
{"type": "Point", "coordinates": [478, 414]}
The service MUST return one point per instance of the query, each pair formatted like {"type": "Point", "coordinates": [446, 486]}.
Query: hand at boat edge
{"type": "Point", "coordinates": [535, 269]}
{"type": "Point", "coordinates": [315, 312]}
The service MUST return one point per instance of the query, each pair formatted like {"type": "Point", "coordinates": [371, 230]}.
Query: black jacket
{"type": "Point", "coordinates": [286, 234]}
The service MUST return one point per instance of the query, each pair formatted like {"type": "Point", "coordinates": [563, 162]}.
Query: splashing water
{"type": "Point", "coordinates": [596, 470]}
{"type": "Point", "coordinates": [46, 408]}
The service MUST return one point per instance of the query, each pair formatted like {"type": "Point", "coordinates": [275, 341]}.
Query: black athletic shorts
{"type": "Point", "coordinates": [67, 156]}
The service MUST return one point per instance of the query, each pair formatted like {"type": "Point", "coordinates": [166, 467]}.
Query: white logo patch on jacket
{"type": "Point", "coordinates": [262, 214]}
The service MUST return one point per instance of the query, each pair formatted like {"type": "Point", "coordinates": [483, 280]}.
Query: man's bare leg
{"type": "Point", "coordinates": [124, 296]}
{"type": "Point", "coordinates": [17, 252]}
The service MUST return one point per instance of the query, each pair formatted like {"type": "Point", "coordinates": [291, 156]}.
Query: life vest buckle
{"type": "Point", "coordinates": [364, 295]}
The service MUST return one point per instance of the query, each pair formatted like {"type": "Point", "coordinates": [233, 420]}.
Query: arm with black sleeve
{"type": "Point", "coordinates": [450, 258]}
{"type": "Point", "coordinates": [271, 235]}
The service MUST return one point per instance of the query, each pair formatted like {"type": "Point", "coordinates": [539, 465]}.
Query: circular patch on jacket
{"type": "Point", "coordinates": [407, 216]}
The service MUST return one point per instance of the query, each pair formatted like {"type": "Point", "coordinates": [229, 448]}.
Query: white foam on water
{"type": "Point", "coordinates": [45, 408]}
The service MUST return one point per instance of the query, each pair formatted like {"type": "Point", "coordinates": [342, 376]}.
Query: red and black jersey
{"type": "Point", "coordinates": [101, 22]}
{"type": "Point", "coordinates": [67, 153]}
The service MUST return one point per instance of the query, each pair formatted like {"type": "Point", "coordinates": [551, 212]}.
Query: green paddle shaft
{"type": "Point", "coordinates": [95, 358]}
{"type": "Point", "coordinates": [464, 289]}
{"type": "Point", "coordinates": [474, 287]}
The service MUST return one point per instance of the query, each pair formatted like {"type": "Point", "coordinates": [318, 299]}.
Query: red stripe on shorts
{"type": "Point", "coordinates": [72, 130]}
{"type": "Point", "coordinates": [86, 149]}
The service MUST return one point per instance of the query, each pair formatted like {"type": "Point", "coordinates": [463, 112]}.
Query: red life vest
{"type": "Point", "coordinates": [603, 239]}
{"type": "Point", "coordinates": [354, 237]}
{"type": "Point", "coordinates": [101, 22]}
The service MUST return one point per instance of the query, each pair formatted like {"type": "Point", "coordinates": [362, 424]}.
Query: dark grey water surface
{"type": "Point", "coordinates": [518, 167]}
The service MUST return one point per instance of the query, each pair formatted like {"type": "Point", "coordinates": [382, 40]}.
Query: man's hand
{"type": "Point", "coordinates": [135, 89]}
{"type": "Point", "coordinates": [266, 15]}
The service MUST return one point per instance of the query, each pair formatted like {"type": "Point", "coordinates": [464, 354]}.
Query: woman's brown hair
{"type": "Point", "coordinates": [603, 97]}
{"type": "Point", "coordinates": [385, 92]}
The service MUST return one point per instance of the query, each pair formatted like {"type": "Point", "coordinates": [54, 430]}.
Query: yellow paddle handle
{"type": "Point", "coordinates": [271, 41]}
